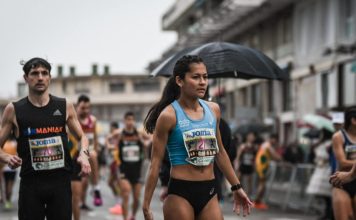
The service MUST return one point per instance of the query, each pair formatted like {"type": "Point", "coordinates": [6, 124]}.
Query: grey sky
{"type": "Point", "coordinates": [124, 34]}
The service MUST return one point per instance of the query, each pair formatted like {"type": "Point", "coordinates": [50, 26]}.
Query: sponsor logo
{"type": "Point", "coordinates": [43, 142]}
{"type": "Point", "coordinates": [198, 133]}
{"type": "Point", "coordinates": [183, 123]}
{"type": "Point", "coordinates": [44, 130]}
{"type": "Point", "coordinates": [212, 191]}
{"type": "Point", "coordinates": [57, 113]}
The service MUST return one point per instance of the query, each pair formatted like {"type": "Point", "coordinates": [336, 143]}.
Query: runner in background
{"type": "Point", "coordinates": [88, 123]}
{"type": "Point", "coordinates": [112, 143]}
{"type": "Point", "coordinates": [264, 155]}
{"type": "Point", "coordinates": [131, 153]}
{"type": "Point", "coordinates": [245, 161]}
{"type": "Point", "coordinates": [9, 175]}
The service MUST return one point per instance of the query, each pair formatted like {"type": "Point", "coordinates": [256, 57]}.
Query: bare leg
{"type": "Point", "coordinates": [94, 168]}
{"type": "Point", "coordinates": [76, 197]}
{"type": "Point", "coordinates": [126, 189]}
{"type": "Point", "coordinates": [260, 190]}
{"type": "Point", "coordinates": [136, 201]}
{"type": "Point", "coordinates": [211, 211]}
{"type": "Point", "coordinates": [249, 184]}
{"type": "Point", "coordinates": [85, 184]}
{"type": "Point", "coordinates": [342, 205]}
{"type": "Point", "coordinates": [177, 208]}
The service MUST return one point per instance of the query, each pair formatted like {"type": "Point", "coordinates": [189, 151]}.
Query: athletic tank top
{"type": "Point", "coordinates": [263, 159]}
{"type": "Point", "coordinates": [130, 151]}
{"type": "Point", "coordinates": [349, 146]}
{"type": "Point", "coordinates": [89, 130]}
{"type": "Point", "coordinates": [193, 141]}
{"type": "Point", "coordinates": [42, 141]}
{"type": "Point", "coordinates": [248, 156]}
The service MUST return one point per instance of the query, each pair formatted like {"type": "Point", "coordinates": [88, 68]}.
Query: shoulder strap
{"type": "Point", "coordinates": [179, 111]}
{"type": "Point", "coordinates": [344, 135]}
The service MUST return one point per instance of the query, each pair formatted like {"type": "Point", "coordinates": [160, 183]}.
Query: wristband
{"type": "Point", "coordinates": [236, 187]}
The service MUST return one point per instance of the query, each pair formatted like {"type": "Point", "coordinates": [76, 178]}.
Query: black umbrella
{"type": "Point", "coordinates": [252, 127]}
{"type": "Point", "coordinates": [227, 60]}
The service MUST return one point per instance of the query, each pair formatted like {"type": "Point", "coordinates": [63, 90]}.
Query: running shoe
{"type": "Point", "coordinates": [85, 208]}
{"type": "Point", "coordinates": [260, 205]}
{"type": "Point", "coordinates": [97, 198]}
{"type": "Point", "coordinates": [116, 210]}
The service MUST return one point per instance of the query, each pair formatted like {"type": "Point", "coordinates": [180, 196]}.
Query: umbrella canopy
{"type": "Point", "coordinates": [312, 133]}
{"type": "Point", "coordinates": [227, 60]}
{"type": "Point", "coordinates": [319, 122]}
{"type": "Point", "coordinates": [247, 128]}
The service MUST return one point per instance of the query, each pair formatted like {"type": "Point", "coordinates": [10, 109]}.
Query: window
{"type": "Point", "coordinates": [64, 87]}
{"type": "Point", "coordinates": [243, 97]}
{"type": "Point", "coordinates": [349, 82]}
{"type": "Point", "coordinates": [324, 90]}
{"type": "Point", "coordinates": [254, 95]}
{"type": "Point", "coordinates": [348, 18]}
{"type": "Point", "coordinates": [146, 86]}
{"type": "Point", "coordinates": [81, 87]}
{"type": "Point", "coordinates": [270, 95]}
{"type": "Point", "coordinates": [231, 104]}
{"type": "Point", "coordinates": [117, 87]}
{"type": "Point", "coordinates": [287, 96]}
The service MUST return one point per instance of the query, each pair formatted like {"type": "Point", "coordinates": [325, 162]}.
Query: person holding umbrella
{"type": "Point", "coordinates": [189, 127]}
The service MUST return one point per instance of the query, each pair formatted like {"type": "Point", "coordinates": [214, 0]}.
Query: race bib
{"type": "Point", "coordinates": [248, 159]}
{"type": "Point", "coordinates": [201, 146]}
{"type": "Point", "coordinates": [47, 153]}
{"type": "Point", "coordinates": [351, 151]}
{"type": "Point", "coordinates": [131, 153]}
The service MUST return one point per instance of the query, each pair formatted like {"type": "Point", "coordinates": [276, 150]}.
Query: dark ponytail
{"type": "Point", "coordinates": [171, 91]}
{"type": "Point", "coordinates": [349, 114]}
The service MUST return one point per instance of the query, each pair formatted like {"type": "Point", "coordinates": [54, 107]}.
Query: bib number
{"type": "Point", "coordinates": [47, 153]}
{"type": "Point", "coordinates": [131, 153]}
{"type": "Point", "coordinates": [201, 146]}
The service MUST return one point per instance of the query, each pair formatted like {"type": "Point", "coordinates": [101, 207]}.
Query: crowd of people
{"type": "Point", "coordinates": [190, 147]}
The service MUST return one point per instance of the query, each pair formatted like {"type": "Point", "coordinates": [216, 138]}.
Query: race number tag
{"type": "Point", "coordinates": [351, 151]}
{"type": "Point", "coordinates": [201, 146]}
{"type": "Point", "coordinates": [248, 159]}
{"type": "Point", "coordinates": [131, 153]}
{"type": "Point", "coordinates": [47, 153]}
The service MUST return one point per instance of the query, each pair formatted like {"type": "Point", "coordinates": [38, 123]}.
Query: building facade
{"type": "Point", "coordinates": [314, 41]}
{"type": "Point", "coordinates": [111, 95]}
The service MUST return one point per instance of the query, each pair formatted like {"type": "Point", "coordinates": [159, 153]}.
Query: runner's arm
{"type": "Point", "coordinates": [224, 164]}
{"type": "Point", "coordinates": [222, 159]}
{"type": "Point", "coordinates": [108, 139]}
{"type": "Point", "coordinates": [75, 129]}
{"type": "Point", "coordinates": [165, 123]}
{"type": "Point", "coordinates": [95, 141]}
{"type": "Point", "coordinates": [343, 162]}
{"type": "Point", "coordinates": [7, 126]}
{"type": "Point", "coordinates": [274, 154]}
{"type": "Point", "coordinates": [238, 157]}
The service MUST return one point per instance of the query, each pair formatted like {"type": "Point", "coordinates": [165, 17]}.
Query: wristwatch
{"type": "Point", "coordinates": [236, 187]}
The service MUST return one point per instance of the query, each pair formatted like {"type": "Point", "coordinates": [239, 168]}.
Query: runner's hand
{"type": "Point", "coordinates": [164, 193]}
{"type": "Point", "coordinates": [13, 161]}
{"type": "Point", "coordinates": [241, 199]}
{"type": "Point", "coordinates": [340, 178]}
{"type": "Point", "coordinates": [83, 160]}
{"type": "Point", "coordinates": [147, 213]}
